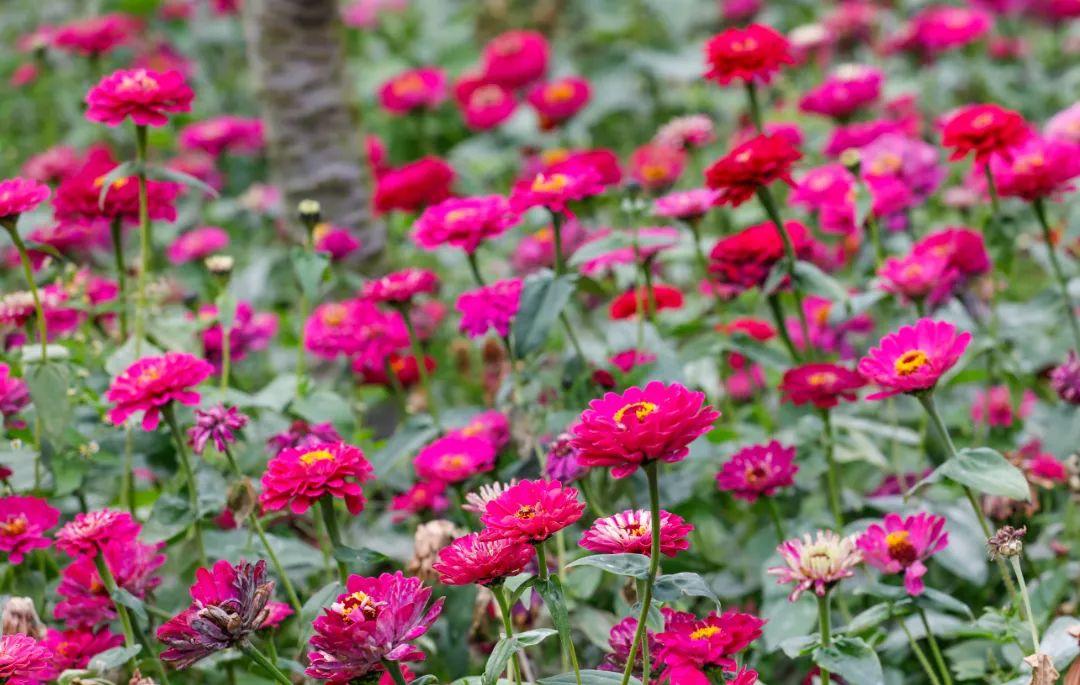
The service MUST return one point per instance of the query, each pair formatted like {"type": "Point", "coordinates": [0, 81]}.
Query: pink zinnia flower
{"type": "Point", "coordinates": [483, 105]}
{"type": "Point", "coordinates": [556, 190]}
{"type": "Point", "coordinates": [654, 423]}
{"type": "Point", "coordinates": [298, 477]}
{"type": "Point", "coordinates": [228, 604]}
{"type": "Point", "coordinates": [23, 522]}
{"type": "Point", "coordinates": [197, 243]}
{"type": "Point", "coordinates": [79, 195]}
{"type": "Point", "coordinates": [964, 248]}
{"type": "Point", "coordinates": [515, 58]}
{"type": "Point", "coordinates": [681, 133]}
{"type": "Point", "coordinates": [217, 424]}
{"type": "Point", "coordinates": [415, 89]}
{"type": "Point", "coordinates": [454, 458]}
{"type": "Point", "coordinates": [901, 545]}
{"type": "Point", "coordinates": [994, 406]}
{"type": "Point", "coordinates": [844, 91]}
{"type": "Point", "coordinates": [491, 425]}
{"type": "Point", "coordinates": [656, 166]}
{"type": "Point", "coordinates": [335, 241]}
{"type": "Point", "coordinates": [463, 222]}
{"type": "Point", "coordinates": [92, 530]}
{"type": "Point", "coordinates": [20, 195]}
{"type": "Point", "coordinates": [470, 560]}
{"type": "Point", "coordinates": [557, 101]}
{"type": "Point", "coordinates": [690, 646]}
{"type": "Point", "coordinates": [74, 648]}
{"type": "Point", "coordinates": [490, 307]}
{"type": "Point", "coordinates": [250, 331]}
{"type": "Point", "coordinates": [687, 205]}
{"type": "Point", "coordinates": [375, 619]}
{"type": "Point", "coordinates": [24, 660]}
{"type": "Point", "coordinates": [941, 28]}
{"type": "Point", "coordinates": [144, 95]}
{"type": "Point", "coordinates": [630, 532]}
{"type": "Point", "coordinates": [153, 382]}
{"type": "Point", "coordinates": [1065, 379]}
{"type": "Point", "coordinates": [354, 328]}
{"type": "Point", "coordinates": [824, 385]}
{"type": "Point", "coordinates": [817, 563]}
{"type": "Point", "coordinates": [627, 360]}
{"type": "Point", "coordinates": [913, 162]}
{"type": "Point", "coordinates": [1038, 168]}
{"type": "Point", "coordinates": [401, 286]}
{"type": "Point", "coordinates": [531, 511]}
{"type": "Point", "coordinates": [1042, 468]}
{"type": "Point", "coordinates": [224, 134]}
{"type": "Point", "coordinates": [95, 36]}
{"type": "Point", "coordinates": [913, 358]}
{"type": "Point", "coordinates": [1065, 125]}
{"type": "Point", "coordinates": [918, 277]}
{"type": "Point", "coordinates": [413, 186]}
{"type": "Point", "coordinates": [421, 497]}
{"type": "Point", "coordinates": [14, 393]}
{"type": "Point", "coordinates": [758, 470]}
{"type": "Point", "coordinates": [133, 564]}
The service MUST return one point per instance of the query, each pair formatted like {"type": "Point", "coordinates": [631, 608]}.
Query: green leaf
{"type": "Point", "coordinates": [936, 599]}
{"type": "Point", "coordinates": [852, 659]}
{"type": "Point", "coordinates": [633, 565]}
{"type": "Point", "coordinates": [113, 658]}
{"type": "Point", "coordinates": [542, 300]}
{"type": "Point", "coordinates": [801, 645]}
{"type": "Point", "coordinates": [226, 306]}
{"type": "Point", "coordinates": [552, 592]}
{"type": "Point", "coordinates": [817, 281]}
{"type": "Point", "coordinates": [177, 176]}
{"type": "Point", "coordinates": [986, 471]}
{"type": "Point", "coordinates": [588, 678]}
{"type": "Point", "coordinates": [48, 385]}
{"type": "Point", "coordinates": [871, 618]}
{"type": "Point", "coordinates": [31, 354]}
{"type": "Point", "coordinates": [122, 596]}
{"type": "Point", "coordinates": [315, 603]}
{"type": "Point", "coordinates": [362, 557]}
{"type": "Point", "coordinates": [122, 170]}
{"type": "Point", "coordinates": [506, 647]}
{"type": "Point", "coordinates": [669, 588]}
{"type": "Point", "coordinates": [309, 267]}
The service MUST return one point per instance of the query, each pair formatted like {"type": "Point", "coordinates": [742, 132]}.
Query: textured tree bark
{"type": "Point", "coordinates": [297, 60]}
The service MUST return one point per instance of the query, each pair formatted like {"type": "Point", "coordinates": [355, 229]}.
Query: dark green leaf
{"type": "Point", "coordinates": [505, 648]}
{"type": "Point", "coordinates": [113, 658]}
{"type": "Point", "coordinates": [817, 281]}
{"type": "Point", "coordinates": [122, 596]}
{"type": "Point", "coordinates": [852, 659]}
{"type": "Point", "coordinates": [986, 471]}
{"type": "Point", "coordinates": [588, 678]}
{"type": "Point", "coordinates": [358, 558]}
{"type": "Point", "coordinates": [669, 588]}
{"type": "Point", "coordinates": [309, 267]}
{"type": "Point", "coordinates": [542, 301]}
{"type": "Point", "coordinates": [315, 603]}
{"type": "Point", "coordinates": [177, 176]}
{"type": "Point", "coordinates": [554, 600]}
{"type": "Point", "coordinates": [871, 618]}
{"type": "Point", "coordinates": [48, 385]}
{"type": "Point", "coordinates": [936, 599]}
{"type": "Point", "coordinates": [633, 565]}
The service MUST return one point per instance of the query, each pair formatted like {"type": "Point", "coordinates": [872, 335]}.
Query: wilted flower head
{"type": "Point", "coordinates": [752, 54]}
{"type": "Point", "coordinates": [92, 530]}
{"type": "Point", "coordinates": [654, 423]}
{"type": "Point", "coordinates": [471, 560]}
{"type": "Point", "coordinates": [901, 545]}
{"type": "Point", "coordinates": [23, 522]}
{"type": "Point", "coordinates": [689, 646]}
{"type": "Point", "coordinates": [490, 307]}
{"type": "Point", "coordinates": [217, 424]}
{"type": "Point", "coordinates": [228, 604]}
{"type": "Point", "coordinates": [630, 532]}
{"type": "Point", "coordinates": [145, 95]}
{"type": "Point", "coordinates": [375, 619]}
{"type": "Point", "coordinates": [817, 562]}
{"type": "Point", "coordinates": [531, 511]}
{"type": "Point", "coordinates": [153, 382]}
{"type": "Point", "coordinates": [24, 660]}
{"type": "Point", "coordinates": [1065, 379]}
{"type": "Point", "coordinates": [20, 616]}
{"type": "Point", "coordinates": [620, 639]}
{"type": "Point", "coordinates": [299, 476]}
{"type": "Point", "coordinates": [758, 470]}
{"type": "Point", "coordinates": [1006, 542]}
{"type": "Point", "coordinates": [913, 358]}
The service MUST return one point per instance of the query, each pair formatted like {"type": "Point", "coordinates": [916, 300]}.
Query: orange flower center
{"type": "Point", "coordinates": [755, 474]}
{"type": "Point", "coordinates": [334, 315]}
{"type": "Point", "coordinates": [116, 185]}
{"type": "Point", "coordinates": [900, 547]}
{"type": "Point", "coordinates": [473, 429]}
{"type": "Point", "coordinates": [139, 81]}
{"type": "Point", "coordinates": [910, 362]}
{"type": "Point", "coordinates": [149, 375]}
{"type": "Point", "coordinates": [654, 172]}
{"type": "Point", "coordinates": [526, 512]}
{"type": "Point", "coordinates": [555, 155]}
{"type": "Point", "coordinates": [640, 409]}
{"type": "Point", "coordinates": [485, 96]}
{"type": "Point", "coordinates": [983, 120]}
{"type": "Point", "coordinates": [821, 378]}
{"type": "Point", "coordinates": [409, 84]}
{"type": "Point", "coordinates": [16, 525]}
{"type": "Point", "coordinates": [822, 314]}
{"type": "Point", "coordinates": [886, 164]}
{"type": "Point", "coordinates": [321, 230]}
{"type": "Point", "coordinates": [544, 235]}
{"type": "Point", "coordinates": [550, 184]}
{"type": "Point", "coordinates": [310, 458]}
{"type": "Point", "coordinates": [453, 461]}
{"type": "Point", "coordinates": [559, 92]}
{"type": "Point", "coordinates": [1030, 163]}
{"type": "Point", "coordinates": [636, 529]}
{"type": "Point", "coordinates": [704, 633]}
{"type": "Point", "coordinates": [745, 45]}
{"type": "Point", "coordinates": [360, 602]}
{"type": "Point", "coordinates": [457, 215]}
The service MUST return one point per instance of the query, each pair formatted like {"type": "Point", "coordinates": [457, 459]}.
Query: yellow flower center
{"type": "Point", "coordinates": [886, 164]}
{"type": "Point", "coordinates": [550, 184]}
{"type": "Point", "coordinates": [559, 92]}
{"type": "Point", "coordinates": [910, 362]}
{"type": "Point", "coordinates": [555, 155]}
{"type": "Point", "coordinates": [360, 602]}
{"type": "Point", "coordinates": [16, 525]}
{"type": "Point", "coordinates": [310, 458]}
{"type": "Point", "coordinates": [453, 461]}
{"type": "Point", "coordinates": [641, 411]}
{"type": "Point", "coordinates": [1030, 163]}
{"type": "Point", "coordinates": [900, 548]}
{"type": "Point", "coordinates": [321, 230]}
{"type": "Point", "coordinates": [745, 45]}
{"type": "Point", "coordinates": [409, 84]}
{"type": "Point", "coordinates": [149, 375]}
{"type": "Point", "coordinates": [526, 512]}
{"type": "Point", "coordinates": [821, 378]}
{"type": "Point", "coordinates": [822, 314]}
{"type": "Point", "coordinates": [460, 215]}
{"type": "Point", "coordinates": [138, 81]}
{"type": "Point", "coordinates": [544, 235]}
{"type": "Point", "coordinates": [983, 120]}
{"type": "Point", "coordinates": [704, 633]}
{"type": "Point", "coordinates": [116, 185]}
{"type": "Point", "coordinates": [334, 315]}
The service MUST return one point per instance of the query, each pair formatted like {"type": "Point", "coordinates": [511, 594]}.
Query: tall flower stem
{"type": "Point", "coordinates": [144, 237]}
{"type": "Point", "coordinates": [508, 626]}
{"type": "Point", "coordinates": [927, 401]}
{"type": "Point", "coordinates": [116, 230]}
{"type": "Point", "coordinates": [777, 312]}
{"type": "Point", "coordinates": [921, 656]}
{"type": "Point", "coordinates": [127, 625]}
{"type": "Point", "coordinates": [825, 625]}
{"type": "Point", "coordinates": [261, 659]}
{"type": "Point", "coordinates": [474, 268]}
{"type": "Point", "coordinates": [1063, 283]}
{"type": "Point", "coordinates": [169, 412]}
{"type": "Point", "coordinates": [28, 272]}
{"type": "Point", "coordinates": [326, 508]}
{"type": "Point", "coordinates": [939, 659]}
{"type": "Point", "coordinates": [991, 189]}
{"type": "Point", "coordinates": [832, 475]}
{"type": "Point", "coordinates": [754, 105]}
{"type": "Point", "coordinates": [774, 514]}
{"type": "Point", "coordinates": [556, 233]}
{"type": "Point", "coordinates": [256, 524]}
{"type": "Point", "coordinates": [769, 203]}
{"type": "Point", "coordinates": [652, 474]}
{"type": "Point", "coordinates": [421, 368]}
{"type": "Point", "coordinates": [875, 239]}
{"type": "Point", "coordinates": [699, 251]}
{"type": "Point", "coordinates": [1015, 561]}
{"type": "Point", "coordinates": [541, 561]}
{"type": "Point", "coordinates": [395, 672]}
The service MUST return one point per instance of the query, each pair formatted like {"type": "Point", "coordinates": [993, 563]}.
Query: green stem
{"type": "Point", "coordinates": [777, 312]}
{"type": "Point", "coordinates": [556, 232]}
{"type": "Point", "coordinates": [920, 655]}
{"type": "Point", "coordinates": [652, 474]}
{"type": "Point", "coordinates": [508, 627]}
{"type": "Point", "coordinates": [144, 238]}
{"type": "Point", "coordinates": [699, 252]}
{"type": "Point", "coordinates": [169, 412]}
{"type": "Point", "coordinates": [825, 626]}
{"type": "Point", "coordinates": [226, 356]}
{"type": "Point", "coordinates": [571, 336]}
{"type": "Point", "coordinates": [262, 660]}
{"type": "Point", "coordinates": [769, 203]}
{"type": "Point", "coordinates": [395, 672]}
{"type": "Point", "coordinates": [541, 561]}
{"type": "Point", "coordinates": [326, 507]}
{"type": "Point", "coordinates": [117, 233]}
{"type": "Point", "coordinates": [833, 473]}
{"type": "Point", "coordinates": [649, 296]}
{"type": "Point", "coordinates": [1015, 561]}
{"type": "Point", "coordinates": [875, 238]}
{"type": "Point", "coordinates": [474, 267]}
{"type": "Point", "coordinates": [1063, 283]}
{"type": "Point", "coordinates": [755, 106]}
{"type": "Point", "coordinates": [774, 513]}
{"type": "Point", "coordinates": [991, 188]}
{"type": "Point", "coordinates": [132, 634]}
{"type": "Point", "coordinates": [421, 368]}
{"type": "Point", "coordinates": [28, 272]}
{"type": "Point", "coordinates": [934, 648]}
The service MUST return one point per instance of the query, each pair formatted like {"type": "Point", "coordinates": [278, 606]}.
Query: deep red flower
{"type": "Point", "coordinates": [986, 130]}
{"type": "Point", "coordinates": [79, 195]}
{"type": "Point", "coordinates": [757, 329]}
{"type": "Point", "coordinates": [823, 385]}
{"type": "Point", "coordinates": [515, 58]}
{"type": "Point", "coordinates": [663, 297]}
{"type": "Point", "coordinates": [414, 186]}
{"type": "Point", "coordinates": [299, 476]}
{"type": "Point", "coordinates": [746, 258]}
{"type": "Point", "coordinates": [470, 560]}
{"type": "Point", "coordinates": [752, 54]}
{"type": "Point", "coordinates": [144, 95]}
{"type": "Point", "coordinates": [750, 166]}
{"type": "Point", "coordinates": [531, 511]}
{"type": "Point", "coordinates": [153, 382]}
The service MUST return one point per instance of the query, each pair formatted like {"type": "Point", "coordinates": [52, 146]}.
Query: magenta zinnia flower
{"type": "Point", "coordinates": [913, 358]}
{"type": "Point", "coordinates": [470, 560]}
{"type": "Point", "coordinates": [531, 511]}
{"type": "Point", "coordinates": [376, 619]}
{"type": "Point", "coordinates": [24, 660]}
{"type": "Point", "coordinates": [816, 563]}
{"type": "Point", "coordinates": [23, 522]}
{"type": "Point", "coordinates": [74, 648]}
{"type": "Point", "coordinates": [94, 529]}
{"type": "Point", "coordinates": [454, 458]}
{"type": "Point", "coordinates": [654, 423]}
{"type": "Point", "coordinates": [491, 425]}
{"type": "Point", "coordinates": [621, 639]}
{"type": "Point", "coordinates": [758, 470]}
{"type": "Point", "coordinates": [298, 477]}
{"type": "Point", "coordinates": [463, 222]}
{"type": "Point", "coordinates": [401, 286]}
{"type": "Point", "coordinates": [354, 328]}
{"type": "Point", "coordinates": [228, 604]}
{"type": "Point", "coordinates": [690, 646]}
{"type": "Point", "coordinates": [490, 307]}
{"type": "Point", "coordinates": [823, 385]}
{"type": "Point", "coordinates": [630, 532]}
{"type": "Point", "coordinates": [556, 190]}
{"type": "Point", "coordinates": [145, 95]}
{"type": "Point", "coordinates": [20, 195]}
{"type": "Point", "coordinates": [217, 424]}
{"type": "Point", "coordinates": [153, 382]}
{"type": "Point", "coordinates": [901, 545]}
{"type": "Point", "coordinates": [133, 565]}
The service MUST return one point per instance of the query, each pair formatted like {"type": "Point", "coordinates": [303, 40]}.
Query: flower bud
{"type": "Point", "coordinates": [1007, 542]}
{"type": "Point", "coordinates": [219, 264]}
{"type": "Point", "coordinates": [19, 616]}
{"type": "Point", "coordinates": [310, 212]}
{"type": "Point", "coordinates": [430, 538]}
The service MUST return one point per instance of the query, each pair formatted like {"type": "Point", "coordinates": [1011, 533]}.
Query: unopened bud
{"type": "Point", "coordinates": [20, 617]}
{"type": "Point", "coordinates": [138, 678]}
{"type": "Point", "coordinates": [851, 159]}
{"type": "Point", "coordinates": [219, 264]}
{"type": "Point", "coordinates": [430, 538]}
{"type": "Point", "coordinates": [310, 212]}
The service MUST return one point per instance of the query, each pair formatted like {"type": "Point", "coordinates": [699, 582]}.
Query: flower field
{"type": "Point", "coordinates": [565, 342]}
